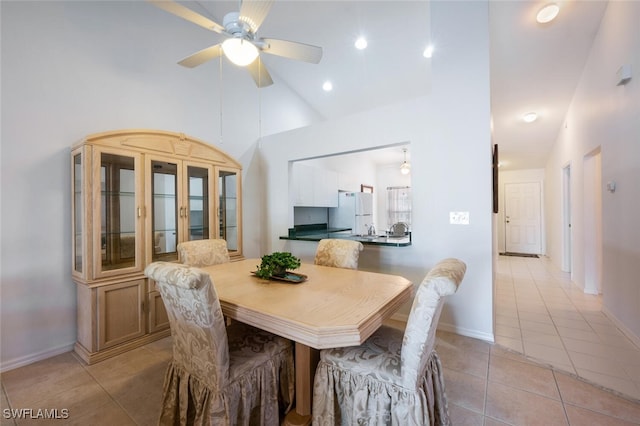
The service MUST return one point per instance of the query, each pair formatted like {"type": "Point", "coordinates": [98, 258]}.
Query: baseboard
{"type": "Point", "coordinates": [634, 339]}
{"type": "Point", "coordinates": [31, 358]}
{"type": "Point", "coordinates": [487, 337]}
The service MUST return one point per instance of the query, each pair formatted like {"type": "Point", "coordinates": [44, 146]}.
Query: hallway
{"type": "Point", "coordinates": [543, 315]}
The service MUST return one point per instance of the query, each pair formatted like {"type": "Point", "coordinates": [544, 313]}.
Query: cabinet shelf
{"type": "Point", "coordinates": [166, 231]}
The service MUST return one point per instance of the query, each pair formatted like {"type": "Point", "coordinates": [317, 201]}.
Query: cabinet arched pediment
{"type": "Point", "coordinates": [164, 142]}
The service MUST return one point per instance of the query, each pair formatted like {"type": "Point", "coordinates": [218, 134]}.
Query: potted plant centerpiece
{"type": "Point", "coordinates": [277, 264]}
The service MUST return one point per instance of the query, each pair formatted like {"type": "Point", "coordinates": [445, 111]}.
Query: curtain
{"type": "Point", "coordinates": [398, 205]}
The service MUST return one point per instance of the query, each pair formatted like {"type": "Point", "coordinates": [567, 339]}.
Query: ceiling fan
{"type": "Point", "coordinates": [242, 45]}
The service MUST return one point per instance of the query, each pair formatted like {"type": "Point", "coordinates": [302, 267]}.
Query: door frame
{"type": "Point", "coordinates": [567, 238]}
{"type": "Point", "coordinates": [541, 223]}
{"type": "Point", "coordinates": [592, 214]}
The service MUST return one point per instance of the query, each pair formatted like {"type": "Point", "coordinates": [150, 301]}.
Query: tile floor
{"type": "Point", "coordinates": [543, 315]}
{"type": "Point", "coordinates": [486, 384]}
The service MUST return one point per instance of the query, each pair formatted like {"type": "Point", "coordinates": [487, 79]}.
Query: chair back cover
{"type": "Point", "coordinates": [203, 252]}
{"type": "Point", "coordinates": [338, 253]}
{"type": "Point", "coordinates": [420, 332]}
{"type": "Point", "coordinates": [198, 329]}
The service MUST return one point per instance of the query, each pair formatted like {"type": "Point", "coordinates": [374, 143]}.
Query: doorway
{"type": "Point", "coordinates": [592, 211]}
{"type": "Point", "coordinates": [523, 218]}
{"type": "Point", "coordinates": [567, 248]}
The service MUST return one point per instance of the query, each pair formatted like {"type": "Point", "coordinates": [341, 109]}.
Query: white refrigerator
{"type": "Point", "coordinates": [355, 211]}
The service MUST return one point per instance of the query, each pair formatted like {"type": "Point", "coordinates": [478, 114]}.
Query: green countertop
{"type": "Point", "coordinates": [317, 233]}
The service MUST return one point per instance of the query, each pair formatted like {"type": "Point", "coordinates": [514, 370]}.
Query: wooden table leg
{"type": "Point", "coordinates": [306, 362]}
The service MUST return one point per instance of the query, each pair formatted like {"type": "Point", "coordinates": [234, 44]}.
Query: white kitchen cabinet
{"type": "Point", "coordinates": [302, 185]}
{"type": "Point", "coordinates": [349, 183]}
{"type": "Point", "coordinates": [314, 187]}
{"type": "Point", "coordinates": [325, 188]}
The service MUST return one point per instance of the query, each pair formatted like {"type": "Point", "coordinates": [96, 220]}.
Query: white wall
{"type": "Point", "coordinates": [74, 68]}
{"type": "Point", "coordinates": [451, 166]}
{"type": "Point", "coordinates": [605, 117]}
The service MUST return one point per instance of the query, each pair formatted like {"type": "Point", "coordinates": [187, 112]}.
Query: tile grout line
{"type": "Point", "coordinates": [564, 406]}
{"type": "Point", "coordinates": [95, 379]}
{"type": "Point", "coordinates": [486, 388]}
{"type": "Point", "coordinates": [6, 397]}
{"type": "Point", "coordinates": [564, 348]}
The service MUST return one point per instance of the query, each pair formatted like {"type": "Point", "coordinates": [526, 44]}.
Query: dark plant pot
{"type": "Point", "coordinates": [279, 271]}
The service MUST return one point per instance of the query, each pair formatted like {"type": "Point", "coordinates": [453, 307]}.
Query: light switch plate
{"type": "Point", "coordinates": [624, 74]}
{"type": "Point", "coordinates": [459, 218]}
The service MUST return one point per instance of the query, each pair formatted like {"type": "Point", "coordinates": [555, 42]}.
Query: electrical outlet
{"type": "Point", "coordinates": [459, 218]}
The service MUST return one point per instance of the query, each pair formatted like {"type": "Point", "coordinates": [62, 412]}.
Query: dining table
{"type": "Point", "coordinates": [324, 307]}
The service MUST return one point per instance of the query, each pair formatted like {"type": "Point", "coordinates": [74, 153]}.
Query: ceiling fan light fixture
{"type": "Point", "coordinates": [548, 13]}
{"type": "Point", "coordinates": [240, 51]}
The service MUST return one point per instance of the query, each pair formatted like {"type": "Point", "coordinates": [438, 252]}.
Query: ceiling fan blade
{"type": "Point", "coordinates": [202, 56]}
{"type": "Point", "coordinates": [188, 14]}
{"type": "Point", "coordinates": [293, 50]}
{"type": "Point", "coordinates": [259, 73]}
{"type": "Point", "coordinates": [253, 12]}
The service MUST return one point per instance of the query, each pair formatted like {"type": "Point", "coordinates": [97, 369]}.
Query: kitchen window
{"type": "Point", "coordinates": [398, 205]}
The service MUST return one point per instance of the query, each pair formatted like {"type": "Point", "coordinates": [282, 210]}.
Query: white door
{"type": "Point", "coordinates": [523, 218]}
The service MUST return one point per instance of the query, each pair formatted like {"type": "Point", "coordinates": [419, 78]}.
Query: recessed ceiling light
{"type": "Point", "coordinates": [327, 86]}
{"type": "Point", "coordinates": [428, 51]}
{"type": "Point", "coordinates": [530, 117]}
{"type": "Point", "coordinates": [547, 13]}
{"type": "Point", "coordinates": [361, 43]}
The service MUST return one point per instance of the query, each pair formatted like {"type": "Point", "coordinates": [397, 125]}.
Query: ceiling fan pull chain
{"type": "Point", "coordinates": [220, 98]}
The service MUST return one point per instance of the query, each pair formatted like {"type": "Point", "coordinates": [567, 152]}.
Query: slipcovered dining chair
{"type": "Point", "coordinates": [338, 253]}
{"type": "Point", "coordinates": [203, 252]}
{"type": "Point", "coordinates": [394, 377]}
{"type": "Point", "coordinates": [219, 375]}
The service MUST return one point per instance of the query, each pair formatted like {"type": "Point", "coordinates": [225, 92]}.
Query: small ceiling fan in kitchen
{"type": "Point", "coordinates": [242, 45]}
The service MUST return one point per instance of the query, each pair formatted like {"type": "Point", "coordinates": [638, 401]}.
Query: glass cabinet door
{"type": "Point", "coordinates": [78, 217]}
{"type": "Point", "coordinates": [229, 209]}
{"type": "Point", "coordinates": [119, 212]}
{"type": "Point", "coordinates": [198, 203]}
{"type": "Point", "coordinates": [165, 214]}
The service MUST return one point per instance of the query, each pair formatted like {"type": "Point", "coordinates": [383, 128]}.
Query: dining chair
{"type": "Point", "coordinates": [393, 377]}
{"type": "Point", "coordinates": [203, 252]}
{"type": "Point", "coordinates": [219, 375]}
{"type": "Point", "coordinates": [338, 253]}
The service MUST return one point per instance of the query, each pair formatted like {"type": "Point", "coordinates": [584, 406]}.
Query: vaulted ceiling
{"type": "Point", "coordinates": [534, 67]}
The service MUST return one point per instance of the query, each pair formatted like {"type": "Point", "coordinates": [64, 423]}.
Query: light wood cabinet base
{"type": "Point", "coordinates": [93, 357]}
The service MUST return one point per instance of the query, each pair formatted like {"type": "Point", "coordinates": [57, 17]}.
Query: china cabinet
{"type": "Point", "coordinates": [136, 194]}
